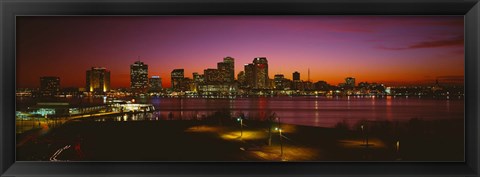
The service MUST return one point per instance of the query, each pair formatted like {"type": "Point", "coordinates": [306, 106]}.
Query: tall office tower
{"type": "Point", "coordinates": [297, 84]}
{"type": "Point", "coordinates": [227, 70]}
{"type": "Point", "coordinates": [222, 69]}
{"type": "Point", "coordinates": [198, 78]}
{"type": "Point", "coordinates": [139, 77]}
{"type": "Point", "coordinates": [230, 69]}
{"type": "Point", "coordinates": [261, 73]}
{"type": "Point", "coordinates": [241, 78]}
{"type": "Point", "coordinates": [98, 80]}
{"type": "Point", "coordinates": [213, 76]}
{"type": "Point", "coordinates": [49, 85]}
{"type": "Point", "coordinates": [249, 75]}
{"type": "Point", "coordinates": [155, 83]}
{"type": "Point", "coordinates": [177, 76]}
{"type": "Point", "coordinates": [350, 82]}
{"type": "Point", "coordinates": [279, 81]}
{"type": "Point", "coordinates": [296, 76]}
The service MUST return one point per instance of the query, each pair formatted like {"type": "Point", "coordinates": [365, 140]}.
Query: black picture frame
{"type": "Point", "coordinates": [12, 8]}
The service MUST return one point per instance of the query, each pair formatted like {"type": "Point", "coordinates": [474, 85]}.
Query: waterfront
{"type": "Point", "coordinates": [216, 89]}
{"type": "Point", "coordinates": [190, 129]}
{"type": "Point", "coordinates": [318, 111]}
{"type": "Point", "coordinates": [313, 111]}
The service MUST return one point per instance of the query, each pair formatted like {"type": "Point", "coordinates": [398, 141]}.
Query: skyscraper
{"type": "Point", "coordinates": [256, 74]}
{"type": "Point", "coordinates": [296, 76]}
{"type": "Point", "coordinates": [241, 79]}
{"type": "Point", "coordinates": [223, 71]}
{"type": "Point", "coordinates": [227, 69]}
{"type": "Point", "coordinates": [231, 68]}
{"type": "Point", "coordinates": [177, 76]}
{"type": "Point", "coordinates": [155, 83]}
{"type": "Point", "coordinates": [139, 77]}
{"type": "Point", "coordinates": [213, 76]}
{"type": "Point", "coordinates": [297, 84]}
{"type": "Point", "coordinates": [261, 80]}
{"type": "Point", "coordinates": [98, 80]}
{"type": "Point", "coordinates": [198, 78]}
{"type": "Point", "coordinates": [49, 85]}
{"type": "Point", "coordinates": [249, 75]}
{"type": "Point", "coordinates": [278, 80]}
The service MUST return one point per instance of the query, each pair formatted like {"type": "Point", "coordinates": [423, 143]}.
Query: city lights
{"type": "Point", "coordinates": [208, 88]}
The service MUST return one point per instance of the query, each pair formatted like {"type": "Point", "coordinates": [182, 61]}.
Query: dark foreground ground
{"type": "Point", "coordinates": [176, 140]}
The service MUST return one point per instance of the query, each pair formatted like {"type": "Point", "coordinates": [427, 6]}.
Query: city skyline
{"type": "Point", "coordinates": [146, 84]}
{"type": "Point", "coordinates": [380, 48]}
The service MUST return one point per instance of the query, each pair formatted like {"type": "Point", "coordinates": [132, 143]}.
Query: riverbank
{"type": "Point", "coordinates": [189, 140]}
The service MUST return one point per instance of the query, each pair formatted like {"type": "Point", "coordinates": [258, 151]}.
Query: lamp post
{"type": "Point", "coordinates": [363, 133]}
{"type": "Point", "coordinates": [281, 144]}
{"type": "Point", "coordinates": [241, 126]}
{"type": "Point", "coordinates": [47, 121]}
{"type": "Point", "coordinates": [398, 147]}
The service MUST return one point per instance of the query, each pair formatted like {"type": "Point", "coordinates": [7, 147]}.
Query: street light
{"type": "Point", "coordinates": [398, 146]}
{"type": "Point", "coordinates": [241, 126]}
{"type": "Point", "coordinates": [281, 144]}
{"type": "Point", "coordinates": [365, 135]}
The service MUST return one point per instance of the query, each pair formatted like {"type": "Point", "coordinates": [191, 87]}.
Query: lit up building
{"type": "Point", "coordinates": [98, 80]}
{"type": "Point", "coordinates": [227, 69]}
{"type": "Point", "coordinates": [241, 79]}
{"type": "Point", "coordinates": [261, 73]}
{"type": "Point", "coordinates": [308, 85]}
{"type": "Point", "coordinates": [69, 92]}
{"type": "Point", "coordinates": [216, 89]}
{"type": "Point", "coordinates": [213, 76]}
{"type": "Point", "coordinates": [322, 86]}
{"type": "Point", "coordinates": [177, 76]}
{"type": "Point", "coordinates": [155, 83]}
{"type": "Point", "coordinates": [297, 83]}
{"type": "Point", "coordinates": [64, 109]}
{"type": "Point", "coordinates": [198, 78]}
{"type": "Point", "coordinates": [249, 75]}
{"type": "Point", "coordinates": [223, 72]}
{"type": "Point", "coordinates": [187, 84]}
{"type": "Point", "coordinates": [256, 74]}
{"type": "Point", "coordinates": [350, 82]}
{"type": "Point", "coordinates": [49, 85]}
{"type": "Point", "coordinates": [279, 81]}
{"type": "Point", "coordinates": [139, 77]}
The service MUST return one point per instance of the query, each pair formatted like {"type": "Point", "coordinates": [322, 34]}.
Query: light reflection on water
{"type": "Point", "coordinates": [312, 111]}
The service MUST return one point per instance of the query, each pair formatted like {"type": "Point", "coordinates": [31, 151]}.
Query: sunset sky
{"type": "Point", "coordinates": [389, 49]}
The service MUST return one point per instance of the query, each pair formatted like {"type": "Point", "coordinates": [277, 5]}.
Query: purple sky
{"type": "Point", "coordinates": [402, 49]}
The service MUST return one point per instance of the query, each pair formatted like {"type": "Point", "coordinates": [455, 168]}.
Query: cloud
{"type": "Point", "coordinates": [456, 41]}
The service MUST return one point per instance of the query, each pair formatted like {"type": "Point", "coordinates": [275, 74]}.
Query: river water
{"type": "Point", "coordinates": [305, 110]}
{"type": "Point", "coordinates": [310, 111]}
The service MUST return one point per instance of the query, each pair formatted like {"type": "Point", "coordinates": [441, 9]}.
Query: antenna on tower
{"type": "Point", "coordinates": [308, 74]}
{"type": "Point", "coordinates": [138, 58]}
